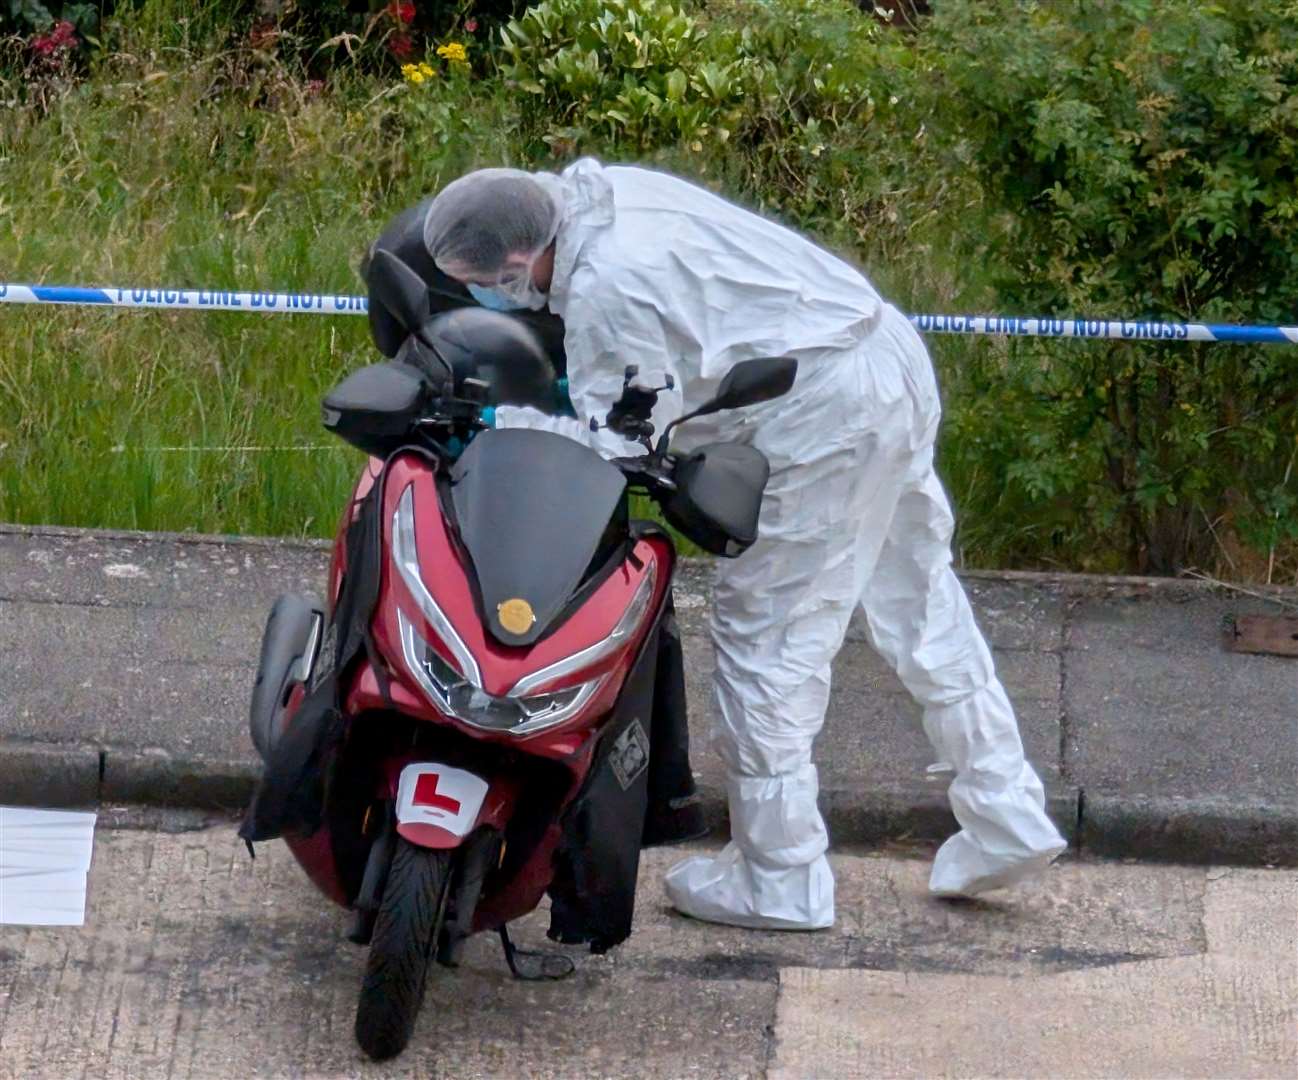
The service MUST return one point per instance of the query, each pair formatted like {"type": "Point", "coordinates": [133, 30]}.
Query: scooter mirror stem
{"type": "Point", "coordinates": [426, 341]}
{"type": "Point", "coordinates": [665, 438]}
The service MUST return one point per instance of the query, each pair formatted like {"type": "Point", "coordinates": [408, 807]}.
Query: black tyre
{"type": "Point", "coordinates": [405, 937]}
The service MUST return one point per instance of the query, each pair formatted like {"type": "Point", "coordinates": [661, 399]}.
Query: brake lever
{"type": "Point", "coordinates": [650, 471]}
{"type": "Point", "coordinates": [424, 345]}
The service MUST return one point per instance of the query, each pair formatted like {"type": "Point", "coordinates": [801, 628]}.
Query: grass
{"type": "Point", "coordinates": [181, 161]}
{"type": "Point", "coordinates": [160, 170]}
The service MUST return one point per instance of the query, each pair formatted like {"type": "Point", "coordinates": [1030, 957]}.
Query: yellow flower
{"type": "Point", "coordinates": [454, 52]}
{"type": "Point", "coordinates": [417, 73]}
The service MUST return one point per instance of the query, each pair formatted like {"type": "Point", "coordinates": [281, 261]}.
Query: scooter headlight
{"type": "Point", "coordinates": [456, 686]}
{"type": "Point", "coordinates": [625, 628]}
{"type": "Point", "coordinates": [456, 696]}
{"type": "Point", "coordinates": [406, 557]}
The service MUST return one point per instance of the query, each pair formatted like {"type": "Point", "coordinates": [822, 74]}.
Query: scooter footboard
{"type": "Point", "coordinates": [438, 806]}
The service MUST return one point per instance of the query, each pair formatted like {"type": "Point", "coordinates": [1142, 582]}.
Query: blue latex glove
{"type": "Point", "coordinates": [561, 398]}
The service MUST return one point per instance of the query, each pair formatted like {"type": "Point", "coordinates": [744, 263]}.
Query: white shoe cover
{"type": "Point", "coordinates": [733, 890]}
{"type": "Point", "coordinates": [996, 796]}
{"type": "Point", "coordinates": [961, 868]}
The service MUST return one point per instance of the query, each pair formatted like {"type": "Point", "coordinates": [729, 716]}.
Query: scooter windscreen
{"type": "Point", "coordinates": [533, 511]}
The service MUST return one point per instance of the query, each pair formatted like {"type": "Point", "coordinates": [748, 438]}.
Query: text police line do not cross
{"type": "Point", "coordinates": [343, 304]}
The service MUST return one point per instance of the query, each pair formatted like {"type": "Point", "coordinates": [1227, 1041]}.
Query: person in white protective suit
{"type": "Point", "coordinates": [645, 268]}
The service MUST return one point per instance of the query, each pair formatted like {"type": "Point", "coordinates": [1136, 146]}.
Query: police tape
{"type": "Point", "coordinates": [342, 304]}
{"type": "Point", "coordinates": [187, 299]}
{"type": "Point", "coordinates": [1106, 329]}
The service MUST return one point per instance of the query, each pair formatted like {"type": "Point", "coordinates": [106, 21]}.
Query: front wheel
{"type": "Point", "coordinates": [406, 930]}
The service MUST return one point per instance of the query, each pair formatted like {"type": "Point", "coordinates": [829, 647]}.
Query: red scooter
{"type": "Point", "coordinates": [491, 705]}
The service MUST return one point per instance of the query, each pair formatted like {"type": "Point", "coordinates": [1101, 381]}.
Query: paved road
{"type": "Point", "coordinates": [1151, 738]}
{"type": "Point", "coordinates": [197, 963]}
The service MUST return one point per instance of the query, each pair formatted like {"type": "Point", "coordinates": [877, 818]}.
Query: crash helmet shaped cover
{"type": "Point", "coordinates": [498, 350]}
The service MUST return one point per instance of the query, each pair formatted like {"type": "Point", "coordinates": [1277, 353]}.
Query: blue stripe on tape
{"type": "Point", "coordinates": [66, 294]}
{"type": "Point", "coordinates": [330, 303]}
{"type": "Point", "coordinates": [1224, 332]}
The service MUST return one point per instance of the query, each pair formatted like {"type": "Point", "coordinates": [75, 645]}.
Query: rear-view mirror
{"type": "Point", "coordinates": [747, 383]}
{"type": "Point", "coordinates": [753, 381]}
{"type": "Point", "coordinates": [399, 289]}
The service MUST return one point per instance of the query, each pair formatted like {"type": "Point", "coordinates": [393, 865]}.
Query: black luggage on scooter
{"type": "Point", "coordinates": [291, 793]}
{"type": "Point", "coordinates": [640, 792]}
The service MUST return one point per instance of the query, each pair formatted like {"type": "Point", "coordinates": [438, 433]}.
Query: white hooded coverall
{"type": "Point", "coordinates": [657, 272]}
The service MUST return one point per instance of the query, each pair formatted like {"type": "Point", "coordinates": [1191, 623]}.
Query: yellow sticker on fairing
{"type": "Point", "coordinates": [516, 616]}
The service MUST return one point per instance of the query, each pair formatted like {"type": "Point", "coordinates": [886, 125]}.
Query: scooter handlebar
{"type": "Point", "coordinates": [653, 472]}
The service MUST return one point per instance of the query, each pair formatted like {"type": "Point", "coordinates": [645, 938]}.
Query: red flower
{"type": "Point", "coordinates": [315, 87]}
{"type": "Point", "coordinates": [401, 46]}
{"type": "Point", "coordinates": [471, 25]}
{"type": "Point", "coordinates": [62, 38]}
{"type": "Point", "coordinates": [403, 13]}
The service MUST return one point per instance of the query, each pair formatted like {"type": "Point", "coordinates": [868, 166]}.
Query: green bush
{"type": "Point", "coordinates": [1138, 160]}
{"type": "Point", "coordinates": [792, 105]}
{"type": "Point", "coordinates": [635, 73]}
{"type": "Point", "coordinates": [37, 17]}
{"type": "Point", "coordinates": [829, 137]}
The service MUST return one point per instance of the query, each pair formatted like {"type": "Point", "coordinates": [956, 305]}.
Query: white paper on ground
{"type": "Point", "coordinates": [44, 857]}
{"type": "Point", "coordinates": [43, 898]}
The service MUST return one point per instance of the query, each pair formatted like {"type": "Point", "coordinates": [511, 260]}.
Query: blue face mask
{"type": "Point", "coordinates": [493, 299]}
